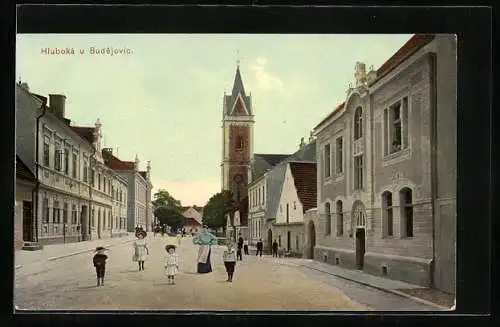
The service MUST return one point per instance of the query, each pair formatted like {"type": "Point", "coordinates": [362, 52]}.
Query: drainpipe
{"type": "Point", "coordinates": [433, 134]}
{"type": "Point", "coordinates": [90, 193]}
{"type": "Point", "coordinates": [43, 107]}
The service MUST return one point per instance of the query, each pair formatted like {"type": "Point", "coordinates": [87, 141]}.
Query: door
{"type": "Point", "coordinates": [289, 241]}
{"type": "Point", "coordinates": [270, 240]}
{"type": "Point", "coordinates": [360, 247]}
{"type": "Point", "coordinates": [312, 240]}
{"type": "Point", "coordinates": [27, 221]}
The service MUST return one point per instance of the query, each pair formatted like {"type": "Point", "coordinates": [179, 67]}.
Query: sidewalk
{"type": "Point", "coordinates": [57, 251]}
{"type": "Point", "coordinates": [387, 285]}
{"type": "Point", "coordinates": [363, 278]}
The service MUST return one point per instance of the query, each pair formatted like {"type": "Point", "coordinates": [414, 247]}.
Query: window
{"type": "Point", "coordinates": [93, 178]}
{"type": "Point", "coordinates": [85, 171]}
{"type": "Point", "coordinates": [46, 153]}
{"type": "Point", "coordinates": [340, 219]}
{"type": "Point", "coordinates": [75, 164]}
{"type": "Point", "coordinates": [258, 192]}
{"type": "Point", "coordinates": [46, 211]}
{"type": "Point", "coordinates": [65, 213]}
{"type": "Point", "coordinates": [339, 158]}
{"type": "Point", "coordinates": [297, 243]}
{"type": "Point", "coordinates": [99, 182]}
{"type": "Point", "coordinates": [294, 205]}
{"type": "Point", "coordinates": [56, 218]}
{"type": "Point", "coordinates": [328, 220]}
{"type": "Point", "coordinates": [358, 123]}
{"type": "Point", "coordinates": [327, 160]}
{"type": "Point", "coordinates": [239, 143]}
{"type": "Point", "coordinates": [387, 213]}
{"type": "Point", "coordinates": [66, 161]}
{"type": "Point", "coordinates": [287, 213]}
{"type": "Point", "coordinates": [57, 157]}
{"type": "Point", "coordinates": [405, 199]}
{"type": "Point", "coordinates": [104, 184]}
{"type": "Point", "coordinates": [74, 215]}
{"type": "Point", "coordinates": [358, 172]}
{"type": "Point", "coordinates": [396, 127]}
{"type": "Point", "coordinates": [263, 196]}
{"type": "Point", "coordinates": [92, 221]}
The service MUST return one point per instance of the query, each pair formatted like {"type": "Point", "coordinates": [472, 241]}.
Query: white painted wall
{"type": "Point", "coordinates": [289, 196]}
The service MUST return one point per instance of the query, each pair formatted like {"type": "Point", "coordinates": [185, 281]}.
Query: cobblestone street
{"type": "Point", "coordinates": [259, 284]}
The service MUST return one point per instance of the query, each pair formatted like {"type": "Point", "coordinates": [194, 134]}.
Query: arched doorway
{"type": "Point", "coordinates": [359, 220]}
{"type": "Point", "coordinates": [270, 240]}
{"type": "Point", "coordinates": [312, 240]}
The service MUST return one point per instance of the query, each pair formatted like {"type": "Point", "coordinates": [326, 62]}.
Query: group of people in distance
{"type": "Point", "coordinates": [204, 239]}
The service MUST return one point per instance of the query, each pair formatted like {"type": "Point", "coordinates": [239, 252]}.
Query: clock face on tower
{"type": "Point", "coordinates": [238, 178]}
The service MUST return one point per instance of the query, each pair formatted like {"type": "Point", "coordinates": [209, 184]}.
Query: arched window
{"type": "Point", "coordinates": [240, 143]}
{"type": "Point", "coordinates": [406, 201]}
{"type": "Point", "coordinates": [340, 218]}
{"type": "Point", "coordinates": [358, 123]}
{"type": "Point", "coordinates": [387, 213]}
{"type": "Point", "coordinates": [328, 221]}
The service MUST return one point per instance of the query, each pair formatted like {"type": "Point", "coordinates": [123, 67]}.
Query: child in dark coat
{"type": "Point", "coordinates": [99, 261]}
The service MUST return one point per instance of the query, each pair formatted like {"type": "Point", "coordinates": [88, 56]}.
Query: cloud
{"type": "Point", "coordinates": [263, 78]}
{"type": "Point", "coordinates": [189, 192]}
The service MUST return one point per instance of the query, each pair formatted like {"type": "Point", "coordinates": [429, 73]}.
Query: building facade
{"type": "Point", "coordinates": [25, 196]}
{"type": "Point", "coordinates": [139, 185]}
{"type": "Point", "coordinates": [379, 206]}
{"type": "Point", "coordinates": [257, 209]}
{"type": "Point", "coordinates": [193, 217]}
{"type": "Point", "coordinates": [298, 194]}
{"type": "Point", "coordinates": [119, 190]}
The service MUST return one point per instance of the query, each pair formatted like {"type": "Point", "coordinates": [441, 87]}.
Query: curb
{"type": "Point", "coordinates": [413, 298]}
{"type": "Point", "coordinates": [84, 251]}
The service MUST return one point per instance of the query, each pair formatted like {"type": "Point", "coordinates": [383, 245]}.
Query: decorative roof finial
{"type": "Point", "coordinates": [238, 58]}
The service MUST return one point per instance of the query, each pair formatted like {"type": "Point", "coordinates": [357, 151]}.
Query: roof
{"type": "Point", "coordinates": [304, 175]}
{"type": "Point", "coordinates": [23, 172]}
{"type": "Point", "coordinates": [276, 178]}
{"type": "Point", "coordinates": [238, 88]}
{"type": "Point", "coordinates": [195, 207]}
{"type": "Point", "coordinates": [116, 164]}
{"type": "Point", "coordinates": [87, 133]}
{"type": "Point", "coordinates": [265, 162]}
{"type": "Point", "coordinates": [416, 42]}
{"type": "Point", "coordinates": [144, 174]}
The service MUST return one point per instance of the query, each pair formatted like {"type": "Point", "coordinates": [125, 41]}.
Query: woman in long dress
{"type": "Point", "coordinates": [204, 239]}
{"type": "Point", "coordinates": [141, 250]}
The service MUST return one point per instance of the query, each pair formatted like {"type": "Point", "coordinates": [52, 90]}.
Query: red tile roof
{"type": "Point", "coordinates": [116, 164]}
{"type": "Point", "coordinates": [304, 175]}
{"type": "Point", "coordinates": [87, 133]}
{"type": "Point", "coordinates": [416, 42]}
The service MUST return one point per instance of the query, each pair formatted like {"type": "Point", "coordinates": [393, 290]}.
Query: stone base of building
{"type": "Point", "coordinates": [296, 243]}
{"type": "Point", "coordinates": [407, 269]}
{"type": "Point", "coordinates": [59, 239]}
{"type": "Point", "coordinates": [32, 246]}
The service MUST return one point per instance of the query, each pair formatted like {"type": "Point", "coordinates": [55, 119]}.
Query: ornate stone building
{"type": "Point", "coordinates": [387, 169]}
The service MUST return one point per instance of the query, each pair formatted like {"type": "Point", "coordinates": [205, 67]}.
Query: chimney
{"type": "Point", "coordinates": [360, 73]}
{"type": "Point", "coordinates": [148, 169]}
{"type": "Point", "coordinates": [108, 150]}
{"type": "Point", "coordinates": [57, 104]}
{"type": "Point", "coordinates": [136, 163]}
{"type": "Point", "coordinates": [371, 76]}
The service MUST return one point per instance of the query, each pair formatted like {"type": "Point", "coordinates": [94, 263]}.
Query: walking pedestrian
{"type": "Point", "coordinates": [240, 248]}
{"type": "Point", "coordinates": [141, 250]}
{"type": "Point", "coordinates": [260, 247]}
{"type": "Point", "coordinates": [179, 237]}
{"type": "Point", "coordinates": [275, 249]}
{"type": "Point", "coordinates": [229, 259]}
{"type": "Point", "coordinates": [245, 246]}
{"type": "Point", "coordinates": [171, 263]}
{"type": "Point", "coordinates": [99, 261]}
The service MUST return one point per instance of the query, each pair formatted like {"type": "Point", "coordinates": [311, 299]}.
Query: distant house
{"type": "Point", "coordinates": [193, 216]}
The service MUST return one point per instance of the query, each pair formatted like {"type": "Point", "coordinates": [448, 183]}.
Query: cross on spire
{"type": "Point", "coordinates": [238, 58]}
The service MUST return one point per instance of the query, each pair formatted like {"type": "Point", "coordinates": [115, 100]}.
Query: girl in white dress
{"type": "Point", "coordinates": [171, 263]}
{"type": "Point", "coordinates": [141, 250]}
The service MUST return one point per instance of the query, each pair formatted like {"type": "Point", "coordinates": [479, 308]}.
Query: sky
{"type": "Point", "coordinates": [160, 96]}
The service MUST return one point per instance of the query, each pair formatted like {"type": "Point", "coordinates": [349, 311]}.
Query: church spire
{"type": "Point", "coordinates": [238, 83]}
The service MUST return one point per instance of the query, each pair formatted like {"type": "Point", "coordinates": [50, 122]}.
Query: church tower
{"type": "Point", "coordinates": [237, 139]}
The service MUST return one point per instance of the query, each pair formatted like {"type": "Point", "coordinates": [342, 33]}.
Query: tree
{"type": "Point", "coordinates": [215, 211]}
{"type": "Point", "coordinates": [168, 210]}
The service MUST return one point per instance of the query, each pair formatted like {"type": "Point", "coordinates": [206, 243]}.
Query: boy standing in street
{"type": "Point", "coordinates": [99, 261]}
{"type": "Point", "coordinates": [229, 259]}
